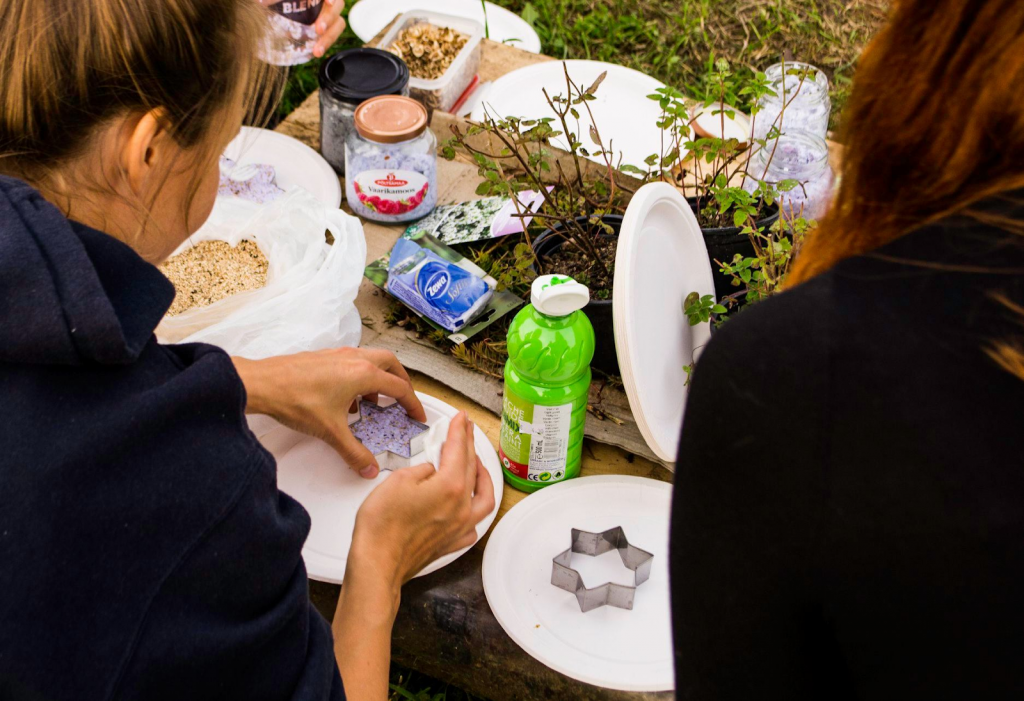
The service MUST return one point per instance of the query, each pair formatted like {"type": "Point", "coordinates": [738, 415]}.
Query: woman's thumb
{"type": "Point", "coordinates": [354, 453]}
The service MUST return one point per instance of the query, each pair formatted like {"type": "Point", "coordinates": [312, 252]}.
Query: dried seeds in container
{"type": "Point", "coordinates": [427, 49]}
{"type": "Point", "coordinates": [212, 270]}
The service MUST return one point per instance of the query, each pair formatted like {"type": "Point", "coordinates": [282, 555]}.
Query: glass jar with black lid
{"type": "Point", "coordinates": [347, 79]}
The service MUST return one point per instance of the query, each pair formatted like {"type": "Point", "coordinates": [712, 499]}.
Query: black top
{"type": "Point", "coordinates": [145, 551]}
{"type": "Point", "coordinates": [849, 504]}
{"type": "Point", "coordinates": [355, 75]}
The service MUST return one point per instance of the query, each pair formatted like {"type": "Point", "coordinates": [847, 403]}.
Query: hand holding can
{"type": "Point", "coordinates": [301, 30]}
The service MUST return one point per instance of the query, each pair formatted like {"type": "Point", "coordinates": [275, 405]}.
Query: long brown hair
{"type": "Point", "coordinates": [70, 66]}
{"type": "Point", "coordinates": [935, 124]}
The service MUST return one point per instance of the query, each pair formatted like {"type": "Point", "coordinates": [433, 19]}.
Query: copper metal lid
{"type": "Point", "coordinates": [389, 119]}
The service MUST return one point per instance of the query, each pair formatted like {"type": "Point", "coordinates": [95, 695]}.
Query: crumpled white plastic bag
{"type": "Point", "coordinates": [308, 302]}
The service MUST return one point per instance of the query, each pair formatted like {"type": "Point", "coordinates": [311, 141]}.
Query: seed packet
{"type": "Point", "coordinates": [479, 220]}
{"type": "Point", "coordinates": [441, 286]}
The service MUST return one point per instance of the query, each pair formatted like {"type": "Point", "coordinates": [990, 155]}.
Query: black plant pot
{"type": "Point", "coordinates": [599, 311]}
{"type": "Point", "coordinates": [725, 242]}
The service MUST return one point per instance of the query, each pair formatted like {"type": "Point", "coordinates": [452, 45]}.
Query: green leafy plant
{"type": "Point", "coordinates": [583, 183]}
{"type": "Point", "coordinates": [513, 155]}
{"type": "Point", "coordinates": [715, 171]}
{"type": "Point", "coordinates": [699, 309]}
{"type": "Point", "coordinates": [725, 193]}
{"type": "Point", "coordinates": [756, 277]}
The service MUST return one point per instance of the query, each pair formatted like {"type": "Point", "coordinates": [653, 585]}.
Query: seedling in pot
{"type": "Point", "coordinates": [514, 154]}
{"type": "Point", "coordinates": [708, 169]}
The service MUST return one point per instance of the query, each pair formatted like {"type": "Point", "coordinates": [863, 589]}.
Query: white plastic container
{"type": "Point", "coordinates": [442, 93]}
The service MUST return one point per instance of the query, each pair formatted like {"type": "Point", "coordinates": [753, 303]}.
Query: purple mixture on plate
{"type": "Point", "coordinates": [255, 183]}
{"type": "Point", "coordinates": [386, 429]}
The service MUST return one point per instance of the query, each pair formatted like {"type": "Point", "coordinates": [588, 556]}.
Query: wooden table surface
{"type": "Point", "coordinates": [445, 628]}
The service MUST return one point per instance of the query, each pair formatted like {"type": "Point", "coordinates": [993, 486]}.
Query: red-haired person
{"type": "Point", "coordinates": [849, 502]}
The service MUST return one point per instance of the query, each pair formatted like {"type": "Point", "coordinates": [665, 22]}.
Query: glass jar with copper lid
{"type": "Point", "coordinates": [391, 161]}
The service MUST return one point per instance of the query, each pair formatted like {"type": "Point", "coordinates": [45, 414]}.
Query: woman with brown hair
{"type": "Point", "coordinates": [849, 503]}
{"type": "Point", "coordinates": [145, 550]}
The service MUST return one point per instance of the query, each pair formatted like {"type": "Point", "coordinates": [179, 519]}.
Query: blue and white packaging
{"type": "Point", "coordinates": [438, 289]}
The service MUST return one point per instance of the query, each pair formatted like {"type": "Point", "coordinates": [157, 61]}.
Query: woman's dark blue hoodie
{"type": "Point", "coordinates": [145, 550]}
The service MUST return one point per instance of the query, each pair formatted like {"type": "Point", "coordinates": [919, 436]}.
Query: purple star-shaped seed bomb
{"type": "Point", "coordinates": [389, 434]}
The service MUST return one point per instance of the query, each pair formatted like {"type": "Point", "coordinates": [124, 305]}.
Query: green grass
{"type": "Point", "coordinates": [407, 685]}
{"type": "Point", "coordinates": [675, 40]}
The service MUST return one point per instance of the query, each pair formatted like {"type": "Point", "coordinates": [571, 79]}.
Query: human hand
{"type": "Point", "coordinates": [421, 513]}
{"type": "Point", "coordinates": [413, 517]}
{"type": "Point", "coordinates": [329, 25]}
{"type": "Point", "coordinates": [314, 393]}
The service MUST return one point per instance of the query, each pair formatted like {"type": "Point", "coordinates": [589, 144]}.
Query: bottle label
{"type": "Point", "coordinates": [391, 191]}
{"type": "Point", "coordinates": [301, 11]}
{"type": "Point", "coordinates": [534, 439]}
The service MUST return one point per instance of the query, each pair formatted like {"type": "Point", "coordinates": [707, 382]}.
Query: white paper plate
{"type": "Point", "coordinates": [608, 647]}
{"type": "Point", "coordinates": [369, 17]}
{"type": "Point", "coordinates": [625, 117]}
{"type": "Point", "coordinates": [661, 258]}
{"type": "Point", "coordinates": [311, 472]}
{"type": "Point", "coordinates": [296, 164]}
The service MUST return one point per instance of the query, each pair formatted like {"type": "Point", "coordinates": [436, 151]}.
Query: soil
{"type": "Point", "coordinates": [570, 260]}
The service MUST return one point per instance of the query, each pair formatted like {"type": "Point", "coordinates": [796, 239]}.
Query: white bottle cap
{"type": "Point", "coordinates": [558, 295]}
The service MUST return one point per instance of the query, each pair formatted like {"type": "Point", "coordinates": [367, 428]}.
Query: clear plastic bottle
{"type": "Point", "coordinates": [291, 35]}
{"type": "Point", "coordinates": [547, 379]}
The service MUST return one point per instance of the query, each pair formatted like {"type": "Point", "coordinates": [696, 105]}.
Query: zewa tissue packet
{"type": "Point", "coordinates": [435, 288]}
{"type": "Point", "coordinates": [441, 286]}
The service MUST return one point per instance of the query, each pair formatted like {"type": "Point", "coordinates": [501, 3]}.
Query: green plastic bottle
{"type": "Point", "coordinates": [547, 377]}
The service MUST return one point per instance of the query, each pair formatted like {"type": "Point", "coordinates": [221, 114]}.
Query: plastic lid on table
{"type": "Point", "coordinates": [661, 258]}
{"type": "Point", "coordinates": [390, 119]}
{"type": "Point", "coordinates": [356, 75]}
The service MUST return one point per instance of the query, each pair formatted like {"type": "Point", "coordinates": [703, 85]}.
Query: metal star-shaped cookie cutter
{"type": "Point", "coordinates": [594, 544]}
{"type": "Point", "coordinates": [389, 433]}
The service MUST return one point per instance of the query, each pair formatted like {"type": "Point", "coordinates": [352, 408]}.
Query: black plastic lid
{"type": "Point", "coordinates": [356, 75]}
